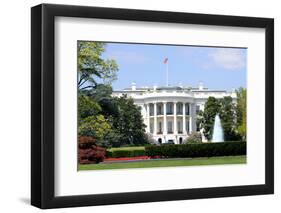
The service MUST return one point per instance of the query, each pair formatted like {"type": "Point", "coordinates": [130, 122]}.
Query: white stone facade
{"type": "Point", "coordinates": [169, 113]}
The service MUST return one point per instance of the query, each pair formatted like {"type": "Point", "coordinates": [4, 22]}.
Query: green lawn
{"type": "Point", "coordinates": [127, 148]}
{"type": "Point", "coordinates": [168, 163]}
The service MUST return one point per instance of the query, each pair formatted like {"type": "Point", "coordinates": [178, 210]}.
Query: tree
{"type": "Point", "coordinates": [228, 119]}
{"type": "Point", "coordinates": [87, 107]}
{"type": "Point", "coordinates": [95, 126]}
{"type": "Point", "coordinates": [194, 137]}
{"type": "Point", "coordinates": [102, 95]}
{"type": "Point", "coordinates": [241, 112]}
{"type": "Point", "coordinates": [92, 67]}
{"type": "Point", "coordinates": [90, 122]}
{"type": "Point", "coordinates": [129, 122]}
{"type": "Point", "coordinates": [206, 118]}
{"type": "Point", "coordinates": [226, 110]}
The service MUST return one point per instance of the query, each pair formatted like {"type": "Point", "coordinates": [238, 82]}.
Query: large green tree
{"type": "Point", "coordinates": [112, 121]}
{"type": "Point", "coordinates": [242, 112]}
{"type": "Point", "coordinates": [228, 118]}
{"type": "Point", "coordinates": [90, 120]}
{"type": "Point", "coordinates": [129, 123]}
{"type": "Point", "coordinates": [92, 68]}
{"type": "Point", "coordinates": [226, 110]}
{"type": "Point", "coordinates": [206, 118]}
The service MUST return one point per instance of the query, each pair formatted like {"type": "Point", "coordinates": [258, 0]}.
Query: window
{"type": "Point", "coordinates": [180, 140]}
{"type": "Point", "coordinates": [197, 109]}
{"type": "Point", "coordinates": [170, 127]}
{"type": "Point", "coordinates": [159, 109]}
{"type": "Point", "coordinates": [170, 108]}
{"type": "Point", "coordinates": [187, 109]}
{"type": "Point", "coordinates": [179, 108]}
{"type": "Point", "coordinates": [187, 126]}
{"type": "Point", "coordinates": [197, 127]}
{"type": "Point", "coordinates": [151, 127]}
{"type": "Point", "coordinates": [151, 109]}
{"type": "Point", "coordinates": [160, 127]}
{"type": "Point", "coordinates": [179, 127]}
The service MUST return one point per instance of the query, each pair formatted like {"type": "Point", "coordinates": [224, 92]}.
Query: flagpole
{"type": "Point", "coordinates": [167, 74]}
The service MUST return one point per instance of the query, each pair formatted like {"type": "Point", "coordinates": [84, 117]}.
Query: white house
{"type": "Point", "coordinates": [169, 113]}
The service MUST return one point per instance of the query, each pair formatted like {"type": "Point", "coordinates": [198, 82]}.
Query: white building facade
{"type": "Point", "coordinates": [169, 113]}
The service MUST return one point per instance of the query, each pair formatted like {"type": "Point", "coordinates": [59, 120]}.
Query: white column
{"type": "Point", "coordinates": [148, 117]}
{"type": "Point", "coordinates": [190, 118]}
{"type": "Point", "coordinates": [155, 119]}
{"type": "Point", "coordinates": [183, 119]}
{"type": "Point", "coordinates": [194, 118]}
{"type": "Point", "coordinates": [175, 117]}
{"type": "Point", "coordinates": [165, 118]}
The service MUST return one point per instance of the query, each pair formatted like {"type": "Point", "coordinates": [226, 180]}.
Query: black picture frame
{"type": "Point", "coordinates": [43, 105]}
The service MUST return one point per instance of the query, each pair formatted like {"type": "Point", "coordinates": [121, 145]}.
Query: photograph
{"type": "Point", "coordinates": [135, 105]}
{"type": "Point", "coordinates": [160, 105]}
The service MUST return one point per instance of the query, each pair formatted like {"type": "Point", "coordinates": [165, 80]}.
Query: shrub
{"type": "Point", "coordinates": [151, 140]}
{"type": "Point", "coordinates": [194, 137]}
{"type": "Point", "coordinates": [89, 152]}
{"type": "Point", "coordinates": [125, 153]}
{"type": "Point", "coordinates": [197, 150]}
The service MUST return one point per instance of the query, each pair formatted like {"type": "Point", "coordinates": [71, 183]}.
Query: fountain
{"type": "Point", "coordinates": [218, 131]}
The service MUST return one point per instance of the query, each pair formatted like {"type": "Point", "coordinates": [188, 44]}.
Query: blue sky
{"type": "Point", "coordinates": [217, 68]}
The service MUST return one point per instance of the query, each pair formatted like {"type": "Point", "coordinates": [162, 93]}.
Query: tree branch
{"type": "Point", "coordinates": [83, 76]}
{"type": "Point", "coordinates": [87, 87]}
{"type": "Point", "coordinates": [85, 80]}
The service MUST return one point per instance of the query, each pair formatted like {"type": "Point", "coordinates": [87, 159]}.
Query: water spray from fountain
{"type": "Point", "coordinates": [217, 131]}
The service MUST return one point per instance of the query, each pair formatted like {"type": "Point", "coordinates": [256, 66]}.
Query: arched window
{"type": "Point", "coordinates": [180, 140]}
{"type": "Point", "coordinates": [160, 140]}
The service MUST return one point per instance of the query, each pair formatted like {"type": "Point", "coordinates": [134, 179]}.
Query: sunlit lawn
{"type": "Point", "coordinates": [168, 163]}
{"type": "Point", "coordinates": [127, 148]}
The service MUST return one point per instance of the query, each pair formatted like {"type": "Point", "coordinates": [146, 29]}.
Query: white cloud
{"type": "Point", "coordinates": [231, 59]}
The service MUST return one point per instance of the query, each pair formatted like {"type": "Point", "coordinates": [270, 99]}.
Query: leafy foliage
{"type": "Point", "coordinates": [228, 112]}
{"type": "Point", "coordinates": [129, 122]}
{"type": "Point", "coordinates": [91, 66]}
{"type": "Point", "coordinates": [206, 119]}
{"type": "Point", "coordinates": [194, 137]}
{"type": "Point", "coordinates": [242, 112]}
{"type": "Point", "coordinates": [87, 107]}
{"type": "Point", "coordinates": [228, 119]}
{"type": "Point", "coordinates": [89, 152]}
{"type": "Point", "coordinates": [95, 126]}
{"type": "Point", "coordinates": [197, 150]}
{"type": "Point", "coordinates": [126, 153]}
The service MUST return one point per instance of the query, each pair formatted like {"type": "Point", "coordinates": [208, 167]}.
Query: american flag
{"type": "Point", "coordinates": [166, 60]}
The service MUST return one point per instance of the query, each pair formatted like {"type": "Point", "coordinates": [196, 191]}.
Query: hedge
{"type": "Point", "coordinates": [125, 153]}
{"type": "Point", "coordinates": [197, 150]}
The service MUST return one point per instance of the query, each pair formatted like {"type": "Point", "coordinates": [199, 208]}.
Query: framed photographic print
{"type": "Point", "coordinates": [136, 106]}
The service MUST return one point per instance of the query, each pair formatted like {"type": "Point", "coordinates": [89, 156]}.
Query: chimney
{"type": "Point", "coordinates": [133, 86]}
{"type": "Point", "coordinates": [201, 86]}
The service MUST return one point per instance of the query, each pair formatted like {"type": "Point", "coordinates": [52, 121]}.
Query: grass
{"type": "Point", "coordinates": [168, 163]}
{"type": "Point", "coordinates": [127, 148]}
